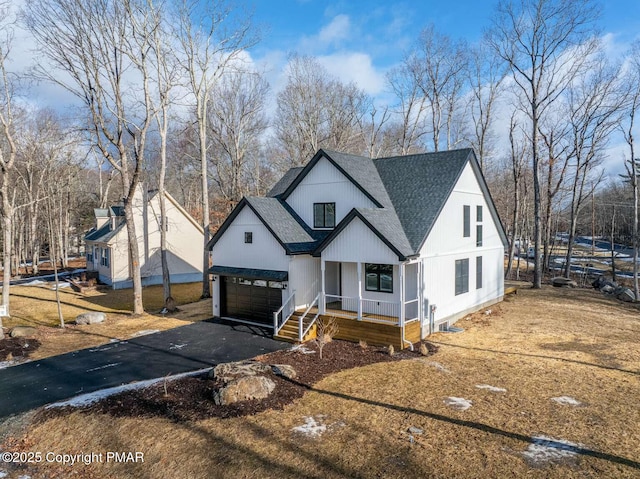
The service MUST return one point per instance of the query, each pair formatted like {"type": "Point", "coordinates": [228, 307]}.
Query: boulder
{"type": "Point", "coordinates": [626, 295]}
{"type": "Point", "coordinates": [607, 288]}
{"type": "Point", "coordinates": [93, 317]}
{"type": "Point", "coordinates": [22, 332]}
{"type": "Point", "coordinates": [560, 282]}
{"type": "Point", "coordinates": [243, 389]}
{"type": "Point", "coordinates": [284, 370]}
{"type": "Point", "coordinates": [230, 371]}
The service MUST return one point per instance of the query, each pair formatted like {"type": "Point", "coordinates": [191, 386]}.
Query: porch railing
{"type": "Point", "coordinates": [345, 303]}
{"type": "Point", "coordinates": [381, 310]}
{"type": "Point", "coordinates": [411, 310]}
{"type": "Point", "coordinates": [302, 329]}
{"type": "Point", "coordinates": [281, 316]}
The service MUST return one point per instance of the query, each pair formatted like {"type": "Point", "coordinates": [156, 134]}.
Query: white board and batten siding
{"type": "Point", "coordinates": [357, 243]}
{"type": "Point", "coordinates": [326, 184]}
{"type": "Point", "coordinates": [304, 276]}
{"type": "Point", "coordinates": [264, 252]}
{"type": "Point", "coordinates": [446, 244]}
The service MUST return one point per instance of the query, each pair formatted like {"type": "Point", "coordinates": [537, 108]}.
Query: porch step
{"type": "Point", "coordinates": [289, 331]}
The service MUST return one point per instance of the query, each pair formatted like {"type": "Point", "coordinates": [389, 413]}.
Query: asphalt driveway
{"type": "Point", "coordinates": [187, 348]}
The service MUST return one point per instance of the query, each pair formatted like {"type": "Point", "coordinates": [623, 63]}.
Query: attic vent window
{"type": "Point", "coordinates": [324, 215]}
{"type": "Point", "coordinates": [248, 237]}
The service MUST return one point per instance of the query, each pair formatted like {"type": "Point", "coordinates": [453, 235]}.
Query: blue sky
{"type": "Point", "coordinates": [360, 40]}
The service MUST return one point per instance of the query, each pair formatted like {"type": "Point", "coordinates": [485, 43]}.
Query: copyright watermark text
{"type": "Point", "coordinates": [72, 459]}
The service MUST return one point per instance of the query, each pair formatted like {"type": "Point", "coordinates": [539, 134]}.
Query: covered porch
{"type": "Point", "coordinates": [374, 302]}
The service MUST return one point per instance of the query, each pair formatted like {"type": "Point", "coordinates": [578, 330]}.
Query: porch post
{"type": "Point", "coordinates": [420, 292]}
{"type": "Point", "coordinates": [359, 290]}
{"type": "Point", "coordinates": [402, 288]}
{"type": "Point", "coordinates": [323, 302]}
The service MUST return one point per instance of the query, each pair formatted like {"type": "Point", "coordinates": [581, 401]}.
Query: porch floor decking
{"type": "Point", "coordinates": [374, 329]}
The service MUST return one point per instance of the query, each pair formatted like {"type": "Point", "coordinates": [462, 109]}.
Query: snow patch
{"type": "Point", "coordinates": [61, 285]}
{"type": "Point", "coordinates": [3, 474]}
{"type": "Point", "coordinates": [144, 332]}
{"type": "Point", "coordinates": [543, 450]}
{"type": "Point", "coordinates": [311, 428]}
{"type": "Point", "coordinates": [91, 398]}
{"type": "Point", "coordinates": [493, 389]}
{"type": "Point", "coordinates": [300, 348]}
{"type": "Point", "coordinates": [461, 404]}
{"type": "Point", "coordinates": [567, 401]}
{"type": "Point", "coordinates": [35, 282]}
{"type": "Point", "coordinates": [435, 364]}
{"type": "Point", "coordinates": [177, 346]}
{"type": "Point", "coordinates": [103, 367]}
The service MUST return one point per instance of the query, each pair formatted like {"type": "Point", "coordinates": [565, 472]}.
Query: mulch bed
{"type": "Point", "coordinates": [14, 348]}
{"type": "Point", "coordinates": [191, 399]}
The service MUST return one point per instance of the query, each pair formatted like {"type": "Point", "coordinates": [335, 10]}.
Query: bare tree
{"type": "Point", "coordinates": [632, 164]}
{"type": "Point", "coordinates": [438, 68]}
{"type": "Point", "coordinates": [237, 122]}
{"type": "Point", "coordinates": [545, 44]}
{"type": "Point", "coordinates": [208, 47]}
{"type": "Point", "coordinates": [316, 111]}
{"type": "Point", "coordinates": [8, 149]}
{"type": "Point", "coordinates": [99, 51]}
{"type": "Point", "coordinates": [594, 106]}
{"type": "Point", "coordinates": [411, 108]}
{"type": "Point", "coordinates": [486, 75]}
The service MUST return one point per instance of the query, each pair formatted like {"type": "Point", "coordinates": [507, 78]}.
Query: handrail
{"type": "Point", "coordinates": [277, 323]}
{"type": "Point", "coordinates": [301, 332]}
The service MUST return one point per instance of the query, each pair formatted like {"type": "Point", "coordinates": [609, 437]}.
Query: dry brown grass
{"type": "Point", "coordinates": [36, 306]}
{"type": "Point", "coordinates": [537, 345]}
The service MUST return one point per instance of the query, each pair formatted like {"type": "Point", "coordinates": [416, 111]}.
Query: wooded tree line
{"type": "Point", "coordinates": [167, 95]}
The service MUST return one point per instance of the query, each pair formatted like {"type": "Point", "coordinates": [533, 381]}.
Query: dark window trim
{"type": "Point", "coordinates": [248, 237]}
{"type": "Point", "coordinates": [373, 268]}
{"type": "Point", "coordinates": [478, 272]}
{"type": "Point", "coordinates": [321, 221]}
{"type": "Point", "coordinates": [479, 213]}
{"type": "Point", "coordinates": [478, 235]}
{"type": "Point", "coordinates": [466, 221]}
{"type": "Point", "coordinates": [462, 276]}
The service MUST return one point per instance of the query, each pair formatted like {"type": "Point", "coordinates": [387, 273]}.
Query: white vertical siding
{"type": "Point", "coordinates": [326, 184]}
{"type": "Point", "coordinates": [264, 253]}
{"type": "Point", "coordinates": [446, 244]}
{"type": "Point", "coordinates": [304, 278]}
{"type": "Point", "coordinates": [358, 243]}
{"type": "Point", "coordinates": [350, 284]}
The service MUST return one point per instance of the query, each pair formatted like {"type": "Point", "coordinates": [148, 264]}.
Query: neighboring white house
{"type": "Point", "coordinates": [107, 247]}
{"type": "Point", "coordinates": [409, 239]}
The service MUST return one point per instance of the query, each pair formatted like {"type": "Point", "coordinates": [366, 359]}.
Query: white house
{"type": "Point", "coordinates": [107, 247]}
{"type": "Point", "coordinates": [412, 242]}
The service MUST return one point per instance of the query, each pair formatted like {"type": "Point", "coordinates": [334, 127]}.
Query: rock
{"type": "Point", "coordinates": [607, 288]}
{"type": "Point", "coordinates": [93, 317]}
{"type": "Point", "coordinates": [244, 389]}
{"type": "Point", "coordinates": [626, 295]}
{"type": "Point", "coordinates": [22, 332]}
{"type": "Point", "coordinates": [560, 282]}
{"type": "Point", "coordinates": [416, 430]}
{"type": "Point", "coordinates": [284, 370]}
{"type": "Point", "coordinates": [229, 371]}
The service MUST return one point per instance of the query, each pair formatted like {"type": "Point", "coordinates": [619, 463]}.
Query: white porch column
{"type": "Point", "coordinates": [323, 301]}
{"type": "Point", "coordinates": [420, 294]}
{"type": "Point", "coordinates": [359, 268]}
{"type": "Point", "coordinates": [402, 290]}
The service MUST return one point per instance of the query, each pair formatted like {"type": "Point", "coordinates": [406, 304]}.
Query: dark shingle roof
{"type": "Point", "coordinates": [250, 273]}
{"type": "Point", "coordinates": [386, 222]}
{"type": "Point", "coordinates": [104, 233]}
{"type": "Point", "coordinates": [419, 186]}
{"type": "Point", "coordinates": [284, 182]}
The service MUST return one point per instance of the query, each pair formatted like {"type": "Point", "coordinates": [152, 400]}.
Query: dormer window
{"type": "Point", "coordinates": [324, 215]}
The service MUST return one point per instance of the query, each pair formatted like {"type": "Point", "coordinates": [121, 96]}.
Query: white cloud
{"type": "Point", "coordinates": [354, 67]}
{"type": "Point", "coordinates": [334, 34]}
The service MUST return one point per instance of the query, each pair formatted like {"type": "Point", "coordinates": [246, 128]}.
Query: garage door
{"type": "Point", "coordinates": [252, 300]}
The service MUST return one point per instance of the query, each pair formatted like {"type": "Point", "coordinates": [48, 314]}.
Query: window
{"type": "Point", "coordinates": [324, 215]}
{"type": "Point", "coordinates": [478, 272]}
{"type": "Point", "coordinates": [478, 235]}
{"type": "Point", "coordinates": [466, 213]}
{"type": "Point", "coordinates": [248, 237]}
{"type": "Point", "coordinates": [379, 277]}
{"type": "Point", "coordinates": [462, 276]}
{"type": "Point", "coordinates": [479, 213]}
{"type": "Point", "coordinates": [104, 259]}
